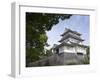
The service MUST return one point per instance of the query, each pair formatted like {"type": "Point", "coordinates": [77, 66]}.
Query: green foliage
{"type": "Point", "coordinates": [49, 52]}
{"type": "Point", "coordinates": [86, 59]}
{"type": "Point", "coordinates": [88, 53]}
{"type": "Point", "coordinates": [87, 56]}
{"type": "Point", "coordinates": [43, 38]}
{"type": "Point", "coordinates": [36, 26]}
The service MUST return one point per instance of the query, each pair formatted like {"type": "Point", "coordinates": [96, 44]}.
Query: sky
{"type": "Point", "coordinates": [79, 23]}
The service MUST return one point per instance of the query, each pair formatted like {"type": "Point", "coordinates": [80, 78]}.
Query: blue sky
{"type": "Point", "coordinates": [79, 23]}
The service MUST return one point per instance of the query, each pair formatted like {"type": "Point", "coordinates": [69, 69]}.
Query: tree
{"type": "Point", "coordinates": [87, 56]}
{"type": "Point", "coordinates": [49, 52]}
{"type": "Point", "coordinates": [36, 26]}
{"type": "Point", "coordinates": [88, 53]}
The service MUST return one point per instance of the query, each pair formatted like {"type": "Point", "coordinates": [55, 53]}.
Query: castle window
{"type": "Point", "coordinates": [79, 53]}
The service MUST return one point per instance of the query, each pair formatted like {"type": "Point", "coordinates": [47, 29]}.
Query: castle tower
{"type": "Point", "coordinates": [71, 42]}
{"type": "Point", "coordinates": [70, 36]}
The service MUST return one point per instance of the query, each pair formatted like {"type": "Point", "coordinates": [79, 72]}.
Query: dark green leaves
{"type": "Point", "coordinates": [36, 26]}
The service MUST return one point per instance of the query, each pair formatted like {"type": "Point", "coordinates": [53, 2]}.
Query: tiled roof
{"type": "Point", "coordinates": [69, 30]}
{"type": "Point", "coordinates": [71, 44]}
{"type": "Point", "coordinates": [71, 36]}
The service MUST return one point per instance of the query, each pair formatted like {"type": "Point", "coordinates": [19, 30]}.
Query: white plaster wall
{"type": "Point", "coordinates": [67, 49]}
{"type": "Point", "coordinates": [81, 49]}
{"type": "Point", "coordinates": [61, 49]}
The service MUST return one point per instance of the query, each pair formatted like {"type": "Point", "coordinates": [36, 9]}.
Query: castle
{"type": "Point", "coordinates": [70, 51]}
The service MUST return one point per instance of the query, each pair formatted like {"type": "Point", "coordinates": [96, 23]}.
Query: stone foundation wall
{"type": "Point", "coordinates": [60, 59]}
